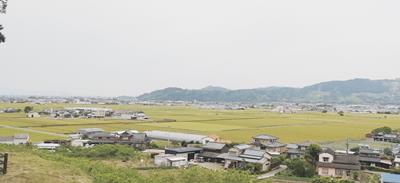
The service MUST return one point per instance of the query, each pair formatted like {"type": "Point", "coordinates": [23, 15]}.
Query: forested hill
{"type": "Point", "coordinates": [356, 91]}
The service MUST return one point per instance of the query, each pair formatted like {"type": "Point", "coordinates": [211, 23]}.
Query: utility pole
{"type": "Point", "coordinates": [3, 163]}
{"type": "Point", "coordinates": [347, 146]}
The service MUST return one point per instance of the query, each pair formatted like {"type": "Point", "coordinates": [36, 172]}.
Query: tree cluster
{"type": "Point", "coordinates": [3, 7]}
{"type": "Point", "coordinates": [384, 130]}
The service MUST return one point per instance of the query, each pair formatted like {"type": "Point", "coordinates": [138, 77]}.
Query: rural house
{"type": "Point", "coordinates": [393, 138]}
{"type": "Point", "coordinates": [297, 150]}
{"type": "Point", "coordinates": [269, 143]}
{"type": "Point", "coordinates": [137, 140]}
{"type": "Point", "coordinates": [370, 157]}
{"type": "Point", "coordinates": [334, 165]}
{"type": "Point", "coordinates": [212, 150]}
{"type": "Point", "coordinates": [239, 158]}
{"type": "Point", "coordinates": [170, 160]}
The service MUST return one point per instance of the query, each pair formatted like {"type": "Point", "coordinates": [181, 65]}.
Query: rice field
{"type": "Point", "coordinates": [237, 126]}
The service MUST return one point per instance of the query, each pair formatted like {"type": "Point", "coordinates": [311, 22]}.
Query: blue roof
{"type": "Point", "coordinates": [390, 178]}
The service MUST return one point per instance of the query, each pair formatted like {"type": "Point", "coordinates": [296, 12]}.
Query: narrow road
{"type": "Point", "coordinates": [34, 131]}
{"type": "Point", "coordinates": [272, 173]}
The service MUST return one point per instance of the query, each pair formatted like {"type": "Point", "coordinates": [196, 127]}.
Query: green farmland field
{"type": "Point", "coordinates": [237, 126]}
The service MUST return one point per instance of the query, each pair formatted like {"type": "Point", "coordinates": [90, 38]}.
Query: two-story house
{"type": "Point", "coordinates": [331, 164]}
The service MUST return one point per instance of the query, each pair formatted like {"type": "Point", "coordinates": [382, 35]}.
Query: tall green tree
{"type": "Point", "coordinates": [28, 109]}
{"type": "Point", "coordinates": [3, 7]}
{"type": "Point", "coordinates": [312, 153]}
{"type": "Point", "coordinates": [300, 168]}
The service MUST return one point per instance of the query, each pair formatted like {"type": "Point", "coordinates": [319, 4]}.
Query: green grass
{"type": "Point", "coordinates": [238, 126]}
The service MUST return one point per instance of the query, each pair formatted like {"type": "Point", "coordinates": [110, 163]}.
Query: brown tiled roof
{"type": "Point", "coordinates": [339, 166]}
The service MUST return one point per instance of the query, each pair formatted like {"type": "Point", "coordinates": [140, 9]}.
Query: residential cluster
{"type": "Point", "coordinates": [193, 149]}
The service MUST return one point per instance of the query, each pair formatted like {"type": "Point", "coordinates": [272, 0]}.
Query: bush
{"type": "Point", "coordinates": [330, 180]}
{"type": "Point", "coordinates": [300, 168]}
{"type": "Point", "coordinates": [253, 168]}
{"type": "Point", "coordinates": [102, 152]}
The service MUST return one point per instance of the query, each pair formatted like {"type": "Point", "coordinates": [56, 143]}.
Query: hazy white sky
{"type": "Point", "coordinates": [127, 47]}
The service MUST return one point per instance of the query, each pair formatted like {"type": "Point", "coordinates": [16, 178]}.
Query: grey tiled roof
{"type": "Point", "coordinates": [346, 159]}
{"type": "Point", "coordinates": [242, 146]}
{"type": "Point", "coordinates": [370, 159]}
{"type": "Point", "coordinates": [339, 166]}
{"type": "Point", "coordinates": [273, 144]}
{"type": "Point", "coordinates": [253, 153]}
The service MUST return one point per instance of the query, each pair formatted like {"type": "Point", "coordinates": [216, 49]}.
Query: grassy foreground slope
{"type": "Point", "coordinates": [238, 126]}
{"type": "Point", "coordinates": [90, 165]}
{"type": "Point", "coordinates": [25, 166]}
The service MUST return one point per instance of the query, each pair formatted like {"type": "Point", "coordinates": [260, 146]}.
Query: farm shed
{"type": "Point", "coordinates": [177, 161]}
{"type": "Point", "coordinates": [32, 115]}
{"type": "Point", "coordinates": [21, 138]}
{"type": "Point", "coordinates": [161, 159]}
{"type": "Point", "coordinates": [170, 160]}
{"type": "Point", "coordinates": [188, 153]}
{"type": "Point", "coordinates": [48, 146]}
{"type": "Point", "coordinates": [178, 137]}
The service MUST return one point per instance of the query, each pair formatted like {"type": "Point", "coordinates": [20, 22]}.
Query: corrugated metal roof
{"type": "Point", "coordinates": [266, 137]}
{"type": "Point", "coordinates": [214, 146]}
{"type": "Point", "coordinates": [173, 136]}
{"type": "Point", "coordinates": [390, 178]}
{"type": "Point", "coordinates": [175, 158]}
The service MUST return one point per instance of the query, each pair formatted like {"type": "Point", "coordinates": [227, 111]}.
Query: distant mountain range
{"type": "Point", "coordinates": [355, 91]}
